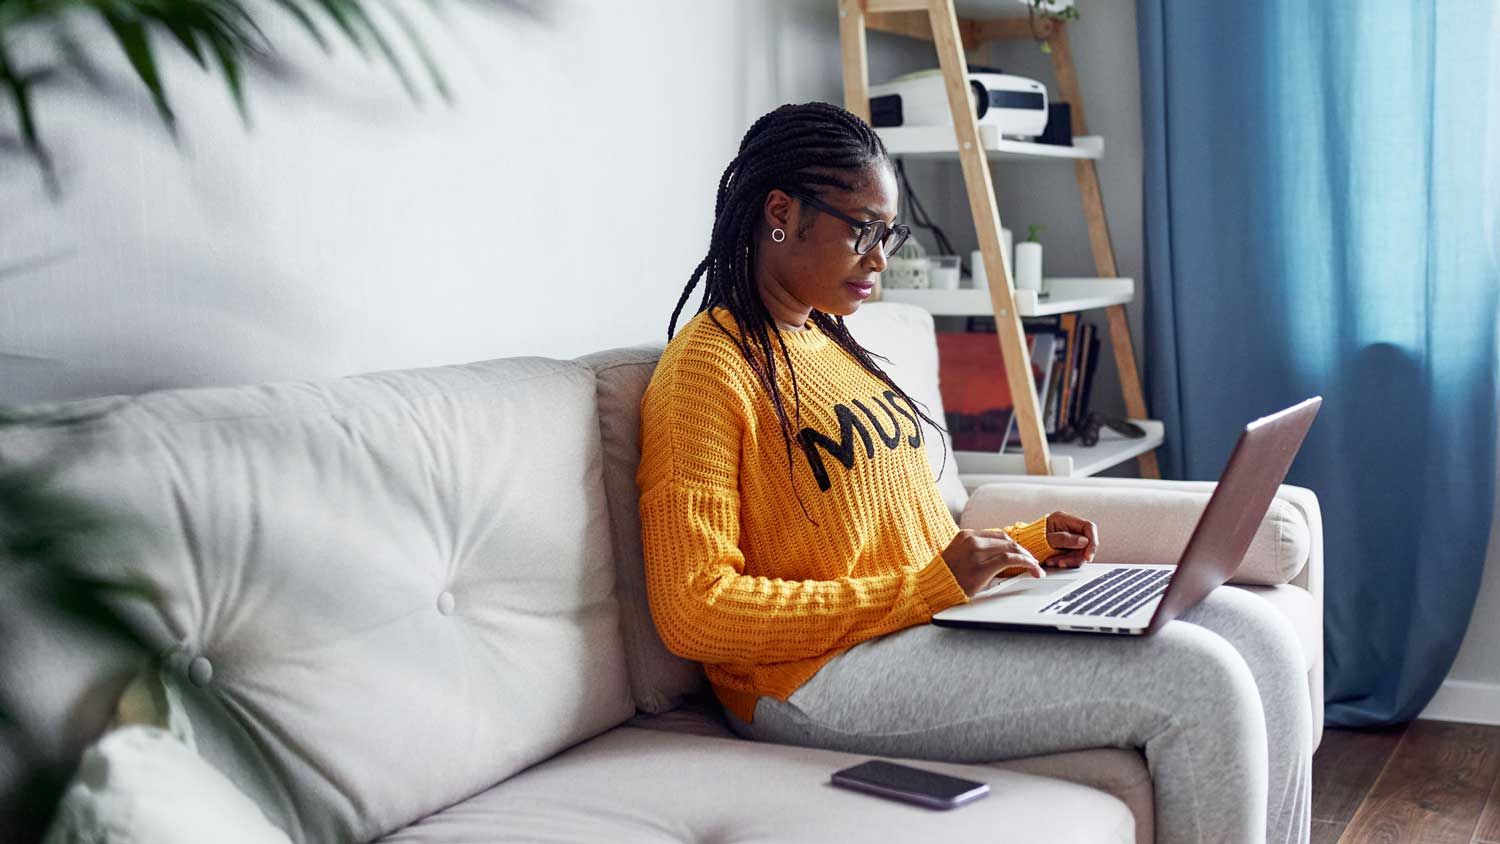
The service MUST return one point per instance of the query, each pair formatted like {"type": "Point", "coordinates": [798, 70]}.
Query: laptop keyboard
{"type": "Point", "coordinates": [1119, 592]}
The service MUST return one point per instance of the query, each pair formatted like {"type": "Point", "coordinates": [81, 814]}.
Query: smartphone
{"type": "Point", "coordinates": [914, 785]}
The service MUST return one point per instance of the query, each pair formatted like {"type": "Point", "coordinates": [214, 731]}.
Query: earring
{"type": "Point", "coordinates": [778, 235]}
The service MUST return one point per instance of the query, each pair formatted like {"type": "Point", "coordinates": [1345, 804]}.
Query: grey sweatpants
{"type": "Point", "coordinates": [1217, 701]}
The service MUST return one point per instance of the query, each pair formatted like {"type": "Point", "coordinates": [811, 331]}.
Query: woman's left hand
{"type": "Point", "coordinates": [1077, 539]}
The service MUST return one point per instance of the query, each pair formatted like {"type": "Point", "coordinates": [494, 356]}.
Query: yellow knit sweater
{"type": "Point", "coordinates": [737, 577]}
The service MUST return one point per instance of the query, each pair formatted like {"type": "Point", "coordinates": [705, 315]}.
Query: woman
{"type": "Point", "coordinates": [802, 578]}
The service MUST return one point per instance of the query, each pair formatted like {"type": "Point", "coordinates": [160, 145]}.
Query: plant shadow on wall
{"type": "Point", "coordinates": [54, 547]}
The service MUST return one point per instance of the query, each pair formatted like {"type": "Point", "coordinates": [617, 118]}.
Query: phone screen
{"type": "Point", "coordinates": [907, 783]}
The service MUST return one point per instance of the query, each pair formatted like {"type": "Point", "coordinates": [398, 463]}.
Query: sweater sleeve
{"type": "Point", "coordinates": [1033, 537]}
{"type": "Point", "coordinates": [706, 609]}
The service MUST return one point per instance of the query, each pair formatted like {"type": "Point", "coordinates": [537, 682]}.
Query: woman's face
{"type": "Point", "coordinates": [820, 269]}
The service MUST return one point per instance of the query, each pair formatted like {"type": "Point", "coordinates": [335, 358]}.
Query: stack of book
{"type": "Point", "coordinates": [977, 404]}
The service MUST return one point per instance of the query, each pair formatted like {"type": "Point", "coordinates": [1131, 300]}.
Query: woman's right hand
{"type": "Point", "coordinates": [977, 557]}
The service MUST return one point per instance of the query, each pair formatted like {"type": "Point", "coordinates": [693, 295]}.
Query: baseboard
{"type": "Point", "coordinates": [1459, 700]}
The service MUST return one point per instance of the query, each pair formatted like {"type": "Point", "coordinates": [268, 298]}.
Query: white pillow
{"type": "Point", "coordinates": [144, 782]}
{"type": "Point", "coordinates": [140, 783]}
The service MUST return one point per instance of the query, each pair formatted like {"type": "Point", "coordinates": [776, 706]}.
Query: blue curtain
{"type": "Point", "coordinates": [1321, 218]}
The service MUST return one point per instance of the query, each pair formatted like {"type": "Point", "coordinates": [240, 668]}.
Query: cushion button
{"type": "Point", "coordinates": [445, 603]}
{"type": "Point", "coordinates": [200, 671]}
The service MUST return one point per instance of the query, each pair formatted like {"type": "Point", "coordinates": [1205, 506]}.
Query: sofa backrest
{"type": "Point", "coordinates": [377, 595]}
{"type": "Point", "coordinates": [659, 679]}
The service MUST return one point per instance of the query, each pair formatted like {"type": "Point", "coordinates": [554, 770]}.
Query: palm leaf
{"type": "Point", "coordinates": [357, 13]}
{"type": "Point", "coordinates": [293, 8]}
{"type": "Point", "coordinates": [218, 33]}
{"type": "Point", "coordinates": [18, 86]}
{"type": "Point", "coordinates": [337, 10]}
{"type": "Point", "coordinates": [131, 34]}
{"type": "Point", "coordinates": [415, 39]}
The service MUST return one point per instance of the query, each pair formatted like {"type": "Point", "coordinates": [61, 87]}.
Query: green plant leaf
{"type": "Point", "coordinates": [19, 87]}
{"type": "Point", "coordinates": [229, 63]}
{"type": "Point", "coordinates": [415, 38]}
{"type": "Point", "coordinates": [215, 34]}
{"type": "Point", "coordinates": [131, 34]}
{"type": "Point", "coordinates": [187, 38]}
{"type": "Point", "coordinates": [357, 13]}
{"type": "Point", "coordinates": [295, 9]}
{"type": "Point", "coordinates": [336, 10]}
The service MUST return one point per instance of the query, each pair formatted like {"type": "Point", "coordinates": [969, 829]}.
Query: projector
{"type": "Point", "coordinates": [1014, 104]}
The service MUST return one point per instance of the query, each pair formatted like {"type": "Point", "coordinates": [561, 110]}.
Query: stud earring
{"type": "Point", "coordinates": [778, 235]}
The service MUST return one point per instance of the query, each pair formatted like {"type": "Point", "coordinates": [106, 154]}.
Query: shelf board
{"type": "Point", "coordinates": [941, 142]}
{"type": "Point", "coordinates": [1065, 295]}
{"type": "Point", "coordinates": [1068, 459]}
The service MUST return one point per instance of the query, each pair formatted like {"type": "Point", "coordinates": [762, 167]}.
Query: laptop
{"type": "Point", "coordinates": [1136, 599]}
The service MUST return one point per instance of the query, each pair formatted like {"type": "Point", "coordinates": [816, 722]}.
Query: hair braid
{"type": "Point", "coordinates": [794, 148]}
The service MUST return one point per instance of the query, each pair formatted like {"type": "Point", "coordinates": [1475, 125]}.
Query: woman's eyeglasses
{"type": "Point", "coordinates": [871, 232]}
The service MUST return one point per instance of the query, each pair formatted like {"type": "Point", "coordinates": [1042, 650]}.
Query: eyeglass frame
{"type": "Point", "coordinates": [900, 228]}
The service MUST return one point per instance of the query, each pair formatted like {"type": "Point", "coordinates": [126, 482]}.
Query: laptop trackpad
{"type": "Point", "coordinates": [1031, 587]}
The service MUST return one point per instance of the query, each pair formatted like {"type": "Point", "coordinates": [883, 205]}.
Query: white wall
{"type": "Point", "coordinates": [558, 208]}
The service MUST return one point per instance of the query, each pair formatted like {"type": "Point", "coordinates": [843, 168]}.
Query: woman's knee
{"type": "Point", "coordinates": [1263, 635]}
{"type": "Point", "coordinates": [1206, 678]}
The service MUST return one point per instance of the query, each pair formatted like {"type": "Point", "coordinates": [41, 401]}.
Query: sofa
{"type": "Point", "coordinates": [409, 606]}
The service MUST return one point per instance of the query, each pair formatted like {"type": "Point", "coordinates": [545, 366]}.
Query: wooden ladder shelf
{"type": "Point", "coordinates": [937, 21]}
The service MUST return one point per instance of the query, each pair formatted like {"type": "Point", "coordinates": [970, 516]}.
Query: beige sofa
{"type": "Point", "coordinates": [408, 606]}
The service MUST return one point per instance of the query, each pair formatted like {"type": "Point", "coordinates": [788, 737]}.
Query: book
{"type": "Point", "coordinates": [1085, 335]}
{"type": "Point", "coordinates": [1091, 365]}
{"type": "Point", "coordinates": [1071, 325]}
{"type": "Point", "coordinates": [1052, 397]}
{"type": "Point", "coordinates": [1043, 346]}
{"type": "Point", "coordinates": [977, 403]}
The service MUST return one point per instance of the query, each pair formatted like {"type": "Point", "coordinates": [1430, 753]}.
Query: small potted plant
{"type": "Point", "coordinates": [1049, 10]}
{"type": "Point", "coordinates": [1029, 260]}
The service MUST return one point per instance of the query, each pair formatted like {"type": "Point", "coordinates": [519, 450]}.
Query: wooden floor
{"type": "Point", "coordinates": [1434, 782]}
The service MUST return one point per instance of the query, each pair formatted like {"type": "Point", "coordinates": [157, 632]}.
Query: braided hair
{"type": "Point", "coordinates": [793, 148]}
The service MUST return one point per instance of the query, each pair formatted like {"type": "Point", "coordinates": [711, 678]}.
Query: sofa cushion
{"type": "Point", "coordinates": [659, 679]}
{"type": "Point", "coordinates": [904, 333]}
{"type": "Point", "coordinates": [1120, 772]}
{"type": "Point", "coordinates": [650, 786]}
{"type": "Point", "coordinates": [380, 594]}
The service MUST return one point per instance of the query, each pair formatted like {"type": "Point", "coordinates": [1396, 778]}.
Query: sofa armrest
{"type": "Point", "coordinates": [1143, 520]}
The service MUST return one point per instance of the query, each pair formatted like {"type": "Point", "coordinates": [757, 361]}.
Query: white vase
{"type": "Point", "coordinates": [1028, 265]}
{"type": "Point", "coordinates": [976, 259]}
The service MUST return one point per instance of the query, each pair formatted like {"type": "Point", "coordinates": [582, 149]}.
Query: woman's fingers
{"type": "Point", "coordinates": [1016, 565]}
{"type": "Point", "coordinates": [1067, 539]}
{"type": "Point", "coordinates": [1067, 531]}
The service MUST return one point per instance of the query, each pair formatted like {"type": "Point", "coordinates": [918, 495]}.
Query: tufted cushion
{"type": "Point", "coordinates": [380, 594]}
